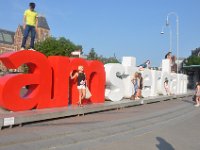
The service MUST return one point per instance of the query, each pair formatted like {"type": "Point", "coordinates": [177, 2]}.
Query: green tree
{"type": "Point", "coordinates": [108, 60]}
{"type": "Point", "coordinates": [92, 55]}
{"type": "Point", "coordinates": [112, 60]}
{"type": "Point", "coordinates": [193, 60]}
{"type": "Point", "coordinates": [56, 47]}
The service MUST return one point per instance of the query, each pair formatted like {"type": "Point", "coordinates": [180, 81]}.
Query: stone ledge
{"type": "Point", "coordinates": [19, 118]}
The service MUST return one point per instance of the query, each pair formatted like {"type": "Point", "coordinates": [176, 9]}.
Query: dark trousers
{"type": "Point", "coordinates": [26, 33]}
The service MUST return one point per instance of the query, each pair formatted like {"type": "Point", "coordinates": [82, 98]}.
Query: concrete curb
{"type": "Point", "coordinates": [10, 119]}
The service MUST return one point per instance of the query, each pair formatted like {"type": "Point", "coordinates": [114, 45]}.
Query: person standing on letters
{"type": "Point", "coordinates": [30, 23]}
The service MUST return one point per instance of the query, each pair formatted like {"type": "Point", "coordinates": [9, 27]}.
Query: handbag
{"type": "Point", "coordinates": [88, 93]}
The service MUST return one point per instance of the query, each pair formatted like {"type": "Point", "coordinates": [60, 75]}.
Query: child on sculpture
{"type": "Point", "coordinates": [146, 64]}
{"type": "Point", "coordinates": [30, 23]}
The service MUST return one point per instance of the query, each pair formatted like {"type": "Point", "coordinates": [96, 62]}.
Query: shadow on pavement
{"type": "Point", "coordinates": [163, 144]}
{"type": "Point", "coordinates": [189, 101]}
{"type": "Point", "coordinates": [62, 123]}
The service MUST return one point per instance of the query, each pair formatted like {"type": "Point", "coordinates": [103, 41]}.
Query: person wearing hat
{"type": "Point", "coordinates": [30, 23]}
{"type": "Point", "coordinates": [81, 83]}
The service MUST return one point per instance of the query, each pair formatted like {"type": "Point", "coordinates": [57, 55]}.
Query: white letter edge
{"type": "Point", "coordinates": [114, 83]}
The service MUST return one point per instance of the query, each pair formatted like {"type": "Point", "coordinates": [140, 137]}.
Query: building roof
{"type": "Point", "coordinates": [6, 37]}
{"type": "Point", "coordinates": [42, 22]}
{"type": "Point", "coordinates": [192, 66]}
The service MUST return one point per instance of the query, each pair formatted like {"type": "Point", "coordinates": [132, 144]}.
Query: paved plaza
{"type": "Point", "coordinates": [166, 125]}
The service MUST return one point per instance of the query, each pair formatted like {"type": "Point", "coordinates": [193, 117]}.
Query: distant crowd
{"type": "Point", "coordinates": [137, 78]}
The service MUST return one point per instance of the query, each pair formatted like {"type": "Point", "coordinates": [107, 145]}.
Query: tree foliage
{"type": "Point", "coordinates": [63, 47]}
{"type": "Point", "coordinates": [92, 55]}
{"type": "Point", "coordinates": [54, 47]}
{"type": "Point", "coordinates": [193, 60]}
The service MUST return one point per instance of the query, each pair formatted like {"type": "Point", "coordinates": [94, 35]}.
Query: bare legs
{"type": "Point", "coordinates": [138, 94]}
{"type": "Point", "coordinates": [197, 101]}
{"type": "Point", "coordinates": [81, 96]}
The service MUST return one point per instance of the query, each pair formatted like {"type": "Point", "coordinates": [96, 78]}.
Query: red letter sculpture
{"type": "Point", "coordinates": [60, 81]}
{"type": "Point", "coordinates": [48, 81]}
{"type": "Point", "coordinates": [38, 80]}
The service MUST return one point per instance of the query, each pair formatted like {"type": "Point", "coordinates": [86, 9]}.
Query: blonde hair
{"type": "Point", "coordinates": [136, 74]}
{"type": "Point", "coordinates": [80, 68]}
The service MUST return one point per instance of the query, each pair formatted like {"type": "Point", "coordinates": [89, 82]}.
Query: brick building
{"type": "Point", "coordinates": [11, 41]}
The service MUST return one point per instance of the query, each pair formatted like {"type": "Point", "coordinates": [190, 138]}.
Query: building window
{"type": "Point", "coordinates": [7, 38]}
{"type": "Point", "coordinates": [1, 37]}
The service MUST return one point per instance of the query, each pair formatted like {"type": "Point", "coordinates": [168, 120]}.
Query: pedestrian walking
{"type": "Point", "coordinates": [194, 96]}
{"type": "Point", "coordinates": [30, 23]}
{"type": "Point", "coordinates": [197, 94]}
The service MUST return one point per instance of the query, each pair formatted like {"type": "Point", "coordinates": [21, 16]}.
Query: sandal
{"type": "Point", "coordinates": [79, 104]}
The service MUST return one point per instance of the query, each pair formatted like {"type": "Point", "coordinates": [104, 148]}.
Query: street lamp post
{"type": "Point", "coordinates": [170, 37]}
{"type": "Point", "coordinates": [177, 34]}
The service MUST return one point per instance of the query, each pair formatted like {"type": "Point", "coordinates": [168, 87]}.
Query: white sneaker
{"type": "Point", "coordinates": [31, 49]}
{"type": "Point", "coordinates": [22, 48]}
{"type": "Point", "coordinates": [197, 105]}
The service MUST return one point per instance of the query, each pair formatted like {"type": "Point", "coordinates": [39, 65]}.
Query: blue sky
{"type": "Point", "coordinates": [120, 27]}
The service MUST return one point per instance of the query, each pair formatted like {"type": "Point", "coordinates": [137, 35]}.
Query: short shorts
{"type": "Point", "coordinates": [81, 87]}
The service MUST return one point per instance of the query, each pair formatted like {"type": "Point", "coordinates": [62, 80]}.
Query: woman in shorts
{"type": "Point", "coordinates": [140, 86]}
{"type": "Point", "coordinates": [81, 83]}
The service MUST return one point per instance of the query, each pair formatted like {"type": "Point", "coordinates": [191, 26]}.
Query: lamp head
{"type": "Point", "coordinates": [161, 32]}
{"type": "Point", "coordinates": [167, 21]}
